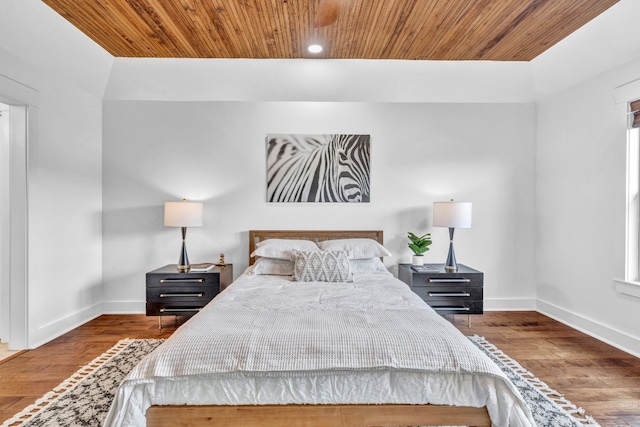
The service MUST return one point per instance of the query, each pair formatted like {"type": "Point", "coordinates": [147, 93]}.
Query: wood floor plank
{"type": "Point", "coordinates": [30, 375]}
{"type": "Point", "coordinates": [593, 375]}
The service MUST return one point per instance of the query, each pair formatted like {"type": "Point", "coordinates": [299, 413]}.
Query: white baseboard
{"type": "Point", "coordinates": [52, 330]}
{"type": "Point", "coordinates": [124, 307]}
{"type": "Point", "coordinates": [611, 336]}
{"type": "Point", "coordinates": [48, 332]}
{"type": "Point", "coordinates": [510, 304]}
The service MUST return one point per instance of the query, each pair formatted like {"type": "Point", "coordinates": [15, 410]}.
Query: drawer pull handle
{"type": "Point", "coordinates": [181, 280]}
{"type": "Point", "coordinates": [171, 310]}
{"type": "Point", "coordinates": [449, 280]}
{"type": "Point", "coordinates": [198, 295]}
{"type": "Point", "coordinates": [449, 294]}
{"type": "Point", "coordinates": [451, 308]}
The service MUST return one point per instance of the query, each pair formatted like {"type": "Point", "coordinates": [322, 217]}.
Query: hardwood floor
{"type": "Point", "coordinates": [28, 376]}
{"type": "Point", "coordinates": [5, 353]}
{"type": "Point", "coordinates": [593, 375]}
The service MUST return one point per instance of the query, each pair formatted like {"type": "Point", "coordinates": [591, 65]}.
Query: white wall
{"type": "Point", "coordinates": [33, 32]}
{"type": "Point", "coordinates": [302, 80]}
{"type": "Point", "coordinates": [63, 74]}
{"type": "Point", "coordinates": [215, 152]}
{"type": "Point", "coordinates": [607, 41]}
{"type": "Point", "coordinates": [580, 195]}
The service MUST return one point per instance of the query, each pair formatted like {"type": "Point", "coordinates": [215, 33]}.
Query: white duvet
{"type": "Point", "coordinates": [269, 340]}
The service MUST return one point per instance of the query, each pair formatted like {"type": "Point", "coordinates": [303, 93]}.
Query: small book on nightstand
{"type": "Point", "coordinates": [205, 266]}
{"type": "Point", "coordinates": [423, 268]}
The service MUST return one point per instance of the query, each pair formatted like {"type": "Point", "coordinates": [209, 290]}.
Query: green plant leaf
{"type": "Point", "coordinates": [419, 244]}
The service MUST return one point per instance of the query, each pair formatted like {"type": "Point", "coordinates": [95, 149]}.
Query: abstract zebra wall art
{"type": "Point", "coordinates": [318, 168]}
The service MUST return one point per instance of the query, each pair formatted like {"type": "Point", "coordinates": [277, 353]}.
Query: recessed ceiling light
{"type": "Point", "coordinates": [315, 48]}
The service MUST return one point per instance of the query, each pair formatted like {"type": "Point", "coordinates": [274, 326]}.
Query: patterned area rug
{"type": "Point", "coordinates": [84, 398]}
{"type": "Point", "coordinates": [549, 407]}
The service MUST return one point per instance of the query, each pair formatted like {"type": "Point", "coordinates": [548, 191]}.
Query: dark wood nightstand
{"type": "Point", "coordinates": [183, 294]}
{"type": "Point", "coordinates": [459, 292]}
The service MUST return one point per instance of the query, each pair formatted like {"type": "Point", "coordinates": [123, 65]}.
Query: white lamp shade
{"type": "Point", "coordinates": [182, 214]}
{"type": "Point", "coordinates": [452, 214]}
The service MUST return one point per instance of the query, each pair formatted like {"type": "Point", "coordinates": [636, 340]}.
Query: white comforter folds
{"type": "Point", "coordinates": [268, 340]}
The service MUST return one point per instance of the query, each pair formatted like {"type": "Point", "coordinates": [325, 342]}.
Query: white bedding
{"type": "Point", "coordinates": [269, 340]}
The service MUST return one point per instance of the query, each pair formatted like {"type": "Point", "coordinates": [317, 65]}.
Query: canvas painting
{"type": "Point", "coordinates": [318, 168]}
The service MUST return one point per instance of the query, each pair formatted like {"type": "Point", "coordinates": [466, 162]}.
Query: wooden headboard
{"type": "Point", "coordinates": [256, 236]}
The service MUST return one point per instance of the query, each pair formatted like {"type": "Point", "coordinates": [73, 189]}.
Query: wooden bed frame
{"type": "Point", "coordinates": [316, 415]}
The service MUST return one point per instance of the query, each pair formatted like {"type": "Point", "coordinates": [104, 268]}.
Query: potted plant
{"type": "Point", "coordinates": [419, 245]}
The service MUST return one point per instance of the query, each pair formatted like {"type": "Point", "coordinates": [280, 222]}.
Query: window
{"type": "Point", "coordinates": [633, 193]}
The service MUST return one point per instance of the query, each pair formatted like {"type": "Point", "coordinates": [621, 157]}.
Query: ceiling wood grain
{"type": "Point", "coordinates": [501, 30]}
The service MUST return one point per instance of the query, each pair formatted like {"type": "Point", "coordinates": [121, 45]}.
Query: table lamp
{"type": "Point", "coordinates": [183, 214]}
{"type": "Point", "coordinates": [452, 215]}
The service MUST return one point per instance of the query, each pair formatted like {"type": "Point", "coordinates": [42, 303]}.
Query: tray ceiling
{"type": "Point", "coordinates": [499, 30]}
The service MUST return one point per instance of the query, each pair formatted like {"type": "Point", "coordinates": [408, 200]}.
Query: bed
{"type": "Point", "coordinates": [352, 346]}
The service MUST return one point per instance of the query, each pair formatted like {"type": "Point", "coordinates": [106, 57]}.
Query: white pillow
{"type": "Point", "coordinates": [357, 248]}
{"type": "Point", "coordinates": [278, 267]}
{"type": "Point", "coordinates": [281, 248]}
{"type": "Point", "coordinates": [321, 266]}
{"type": "Point", "coordinates": [368, 265]}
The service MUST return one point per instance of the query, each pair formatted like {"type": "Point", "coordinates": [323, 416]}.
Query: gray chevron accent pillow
{"type": "Point", "coordinates": [325, 266]}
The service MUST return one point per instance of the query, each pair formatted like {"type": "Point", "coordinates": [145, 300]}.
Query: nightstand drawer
{"type": "Point", "coordinates": [183, 279]}
{"type": "Point", "coordinates": [448, 293]}
{"type": "Point", "coordinates": [449, 279]}
{"type": "Point", "coordinates": [201, 294]}
{"type": "Point", "coordinates": [173, 308]}
{"type": "Point", "coordinates": [453, 307]}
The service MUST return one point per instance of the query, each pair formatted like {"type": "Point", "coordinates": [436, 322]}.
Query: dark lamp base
{"type": "Point", "coordinates": [184, 268]}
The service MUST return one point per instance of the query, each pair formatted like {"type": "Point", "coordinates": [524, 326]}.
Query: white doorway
{"type": "Point", "coordinates": [15, 130]}
{"type": "Point", "coordinates": [23, 112]}
{"type": "Point", "coordinates": [5, 166]}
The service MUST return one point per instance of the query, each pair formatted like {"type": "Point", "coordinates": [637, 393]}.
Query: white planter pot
{"type": "Point", "coordinates": [418, 260]}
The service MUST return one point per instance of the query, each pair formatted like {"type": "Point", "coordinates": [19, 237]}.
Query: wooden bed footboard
{"type": "Point", "coordinates": [317, 416]}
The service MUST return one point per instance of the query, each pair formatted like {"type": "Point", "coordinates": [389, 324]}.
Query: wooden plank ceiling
{"type": "Point", "coordinates": [502, 30]}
